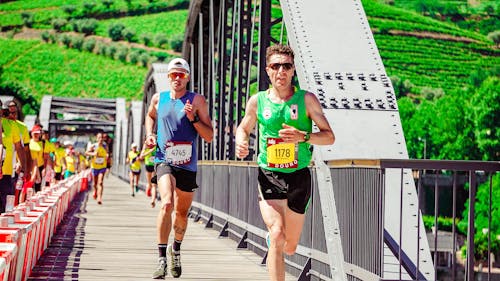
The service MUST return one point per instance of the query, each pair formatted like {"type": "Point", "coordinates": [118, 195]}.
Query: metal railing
{"type": "Point", "coordinates": [439, 170]}
{"type": "Point", "coordinates": [227, 202]}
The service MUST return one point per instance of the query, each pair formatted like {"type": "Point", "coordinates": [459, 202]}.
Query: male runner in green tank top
{"type": "Point", "coordinates": [285, 121]}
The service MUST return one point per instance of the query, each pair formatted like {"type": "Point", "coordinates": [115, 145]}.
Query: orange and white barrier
{"type": "Point", "coordinates": [26, 231]}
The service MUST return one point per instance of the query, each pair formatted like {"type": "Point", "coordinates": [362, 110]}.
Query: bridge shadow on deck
{"type": "Point", "coordinates": [117, 241]}
{"type": "Point", "coordinates": [61, 260]}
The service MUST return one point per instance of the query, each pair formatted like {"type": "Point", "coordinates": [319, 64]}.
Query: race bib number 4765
{"type": "Point", "coordinates": [178, 152]}
{"type": "Point", "coordinates": [281, 154]}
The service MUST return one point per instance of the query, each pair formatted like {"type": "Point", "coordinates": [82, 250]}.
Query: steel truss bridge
{"type": "Point", "coordinates": [364, 222]}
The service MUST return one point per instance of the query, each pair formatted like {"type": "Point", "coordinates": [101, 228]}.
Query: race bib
{"type": "Point", "coordinates": [178, 152]}
{"type": "Point", "coordinates": [281, 154]}
{"type": "Point", "coordinates": [99, 160]}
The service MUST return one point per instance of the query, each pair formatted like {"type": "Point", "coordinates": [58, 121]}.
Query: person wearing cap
{"type": "Point", "coordinates": [13, 114]}
{"type": "Point", "coordinates": [11, 140]}
{"type": "Point", "coordinates": [99, 156]}
{"type": "Point", "coordinates": [285, 117]}
{"type": "Point", "coordinates": [38, 157]}
{"type": "Point", "coordinates": [134, 161]}
{"type": "Point", "coordinates": [183, 116]}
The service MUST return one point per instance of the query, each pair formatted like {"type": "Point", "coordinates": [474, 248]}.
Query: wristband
{"type": "Point", "coordinates": [196, 119]}
{"type": "Point", "coordinates": [307, 136]}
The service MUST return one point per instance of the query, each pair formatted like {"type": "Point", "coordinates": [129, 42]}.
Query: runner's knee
{"type": "Point", "coordinates": [277, 235]}
{"type": "Point", "coordinates": [290, 249]}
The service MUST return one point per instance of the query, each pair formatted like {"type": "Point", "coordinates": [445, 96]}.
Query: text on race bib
{"type": "Point", "coordinates": [99, 160]}
{"type": "Point", "coordinates": [178, 152]}
{"type": "Point", "coordinates": [281, 154]}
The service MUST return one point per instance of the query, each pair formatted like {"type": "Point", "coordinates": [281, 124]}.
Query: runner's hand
{"type": "Point", "coordinates": [242, 149]}
{"type": "Point", "coordinates": [150, 140]}
{"type": "Point", "coordinates": [291, 134]}
{"type": "Point", "coordinates": [188, 109]}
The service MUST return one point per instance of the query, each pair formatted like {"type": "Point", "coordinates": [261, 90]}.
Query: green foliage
{"type": "Point", "coordinates": [115, 31]}
{"type": "Point", "coordinates": [111, 51]}
{"type": "Point", "coordinates": [65, 39]}
{"type": "Point", "coordinates": [167, 23]}
{"type": "Point", "coordinates": [122, 54]}
{"type": "Point", "coordinates": [129, 35]}
{"type": "Point", "coordinates": [146, 38]}
{"type": "Point", "coordinates": [495, 36]}
{"type": "Point", "coordinates": [27, 19]}
{"type": "Point", "coordinates": [11, 88]}
{"type": "Point", "coordinates": [88, 7]}
{"type": "Point", "coordinates": [77, 42]}
{"type": "Point", "coordinates": [69, 9]}
{"type": "Point", "coordinates": [45, 36]}
{"type": "Point", "coordinates": [58, 24]}
{"type": "Point", "coordinates": [176, 42]}
{"type": "Point", "coordinates": [481, 218]}
{"type": "Point", "coordinates": [431, 93]}
{"type": "Point", "coordinates": [160, 40]}
{"type": "Point", "coordinates": [89, 45]}
{"type": "Point", "coordinates": [71, 73]}
{"type": "Point", "coordinates": [444, 223]}
{"type": "Point", "coordinates": [107, 3]}
{"type": "Point", "coordinates": [485, 107]}
{"type": "Point", "coordinates": [87, 26]}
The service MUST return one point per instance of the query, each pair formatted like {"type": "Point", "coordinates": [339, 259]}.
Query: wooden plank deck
{"type": "Point", "coordinates": [117, 241]}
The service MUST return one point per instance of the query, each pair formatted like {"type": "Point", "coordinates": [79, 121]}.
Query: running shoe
{"type": "Point", "coordinates": [175, 262]}
{"type": "Point", "coordinates": [268, 240]}
{"type": "Point", "coordinates": [161, 271]}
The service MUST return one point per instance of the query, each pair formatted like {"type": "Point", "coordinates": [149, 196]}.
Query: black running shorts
{"type": "Point", "coordinates": [295, 187]}
{"type": "Point", "coordinates": [184, 179]}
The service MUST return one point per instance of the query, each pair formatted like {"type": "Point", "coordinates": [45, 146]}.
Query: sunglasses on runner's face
{"type": "Point", "coordinates": [276, 66]}
{"type": "Point", "coordinates": [175, 75]}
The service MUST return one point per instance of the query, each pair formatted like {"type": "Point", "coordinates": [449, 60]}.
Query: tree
{"type": "Point", "coordinates": [485, 105]}
{"type": "Point", "coordinates": [58, 24]}
{"type": "Point", "coordinates": [107, 3]}
{"type": "Point", "coordinates": [69, 9]}
{"type": "Point", "coordinates": [115, 31]}
{"type": "Point", "coordinates": [495, 37]}
{"type": "Point", "coordinates": [27, 18]}
{"type": "Point", "coordinates": [87, 26]}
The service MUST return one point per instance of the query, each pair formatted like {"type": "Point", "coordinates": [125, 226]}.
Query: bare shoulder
{"type": "Point", "coordinates": [252, 101]}
{"type": "Point", "coordinates": [155, 98]}
{"type": "Point", "coordinates": [199, 98]}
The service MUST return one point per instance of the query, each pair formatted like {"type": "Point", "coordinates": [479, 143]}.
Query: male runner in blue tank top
{"type": "Point", "coordinates": [285, 117]}
{"type": "Point", "coordinates": [181, 116]}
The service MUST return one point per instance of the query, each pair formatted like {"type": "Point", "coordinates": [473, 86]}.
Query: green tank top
{"type": "Point", "coordinates": [149, 158]}
{"type": "Point", "coordinates": [274, 154]}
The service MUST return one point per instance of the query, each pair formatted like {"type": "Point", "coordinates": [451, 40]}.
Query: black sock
{"type": "Point", "coordinates": [162, 250]}
{"type": "Point", "coordinates": [177, 245]}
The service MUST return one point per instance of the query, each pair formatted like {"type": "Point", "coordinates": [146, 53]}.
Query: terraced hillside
{"type": "Point", "coordinates": [103, 48]}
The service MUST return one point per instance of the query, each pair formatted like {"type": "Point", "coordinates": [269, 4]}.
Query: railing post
{"type": "Point", "coordinates": [471, 229]}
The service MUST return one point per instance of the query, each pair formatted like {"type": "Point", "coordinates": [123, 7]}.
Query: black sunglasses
{"type": "Point", "coordinates": [276, 66]}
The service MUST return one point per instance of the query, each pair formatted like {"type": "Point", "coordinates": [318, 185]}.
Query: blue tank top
{"type": "Point", "coordinates": [177, 137]}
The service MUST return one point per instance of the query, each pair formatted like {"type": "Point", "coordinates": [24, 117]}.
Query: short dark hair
{"type": "Point", "coordinates": [279, 49]}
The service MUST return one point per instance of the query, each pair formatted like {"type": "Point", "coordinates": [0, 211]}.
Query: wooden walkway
{"type": "Point", "coordinates": [117, 241]}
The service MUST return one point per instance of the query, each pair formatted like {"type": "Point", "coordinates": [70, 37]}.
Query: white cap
{"type": "Point", "coordinates": [178, 63]}
{"type": "Point", "coordinates": [133, 144]}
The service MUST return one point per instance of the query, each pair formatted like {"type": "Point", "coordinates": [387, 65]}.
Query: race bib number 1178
{"type": "Point", "coordinates": [281, 154]}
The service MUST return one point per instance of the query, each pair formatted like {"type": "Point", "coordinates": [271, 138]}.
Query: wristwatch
{"type": "Point", "coordinates": [196, 119]}
{"type": "Point", "coordinates": [307, 136]}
